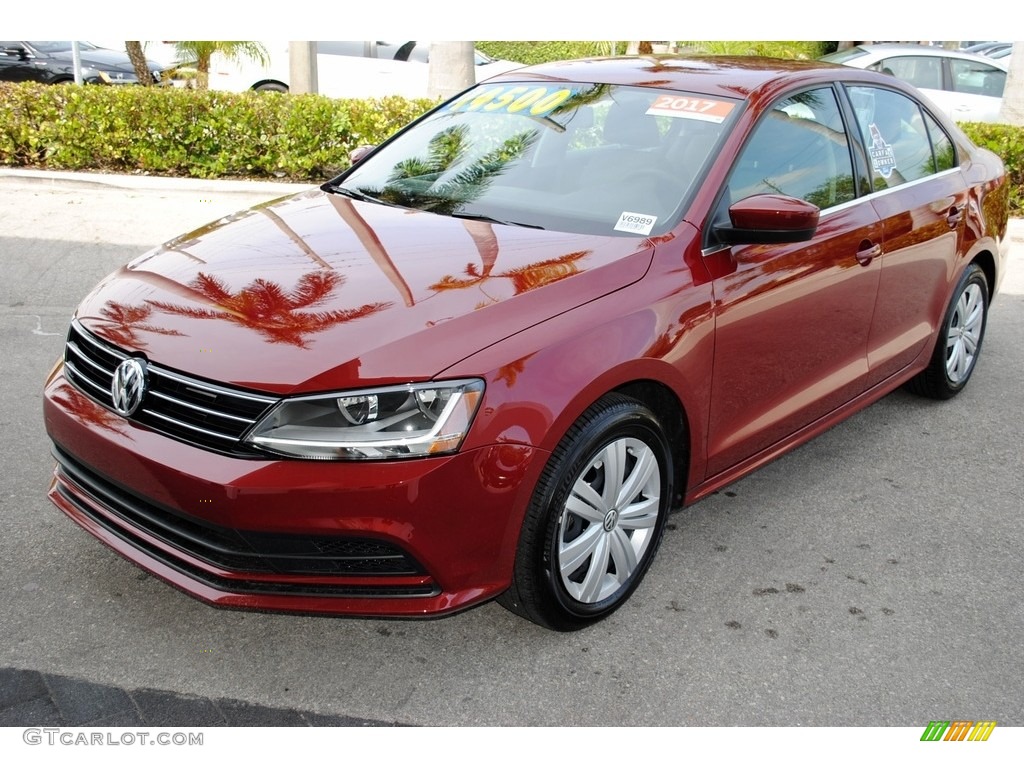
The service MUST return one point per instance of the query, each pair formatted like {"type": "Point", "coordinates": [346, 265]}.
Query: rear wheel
{"type": "Point", "coordinates": [596, 518]}
{"type": "Point", "coordinates": [959, 345]}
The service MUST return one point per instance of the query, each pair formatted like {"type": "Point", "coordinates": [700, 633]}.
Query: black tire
{"type": "Point", "coordinates": [960, 338]}
{"type": "Point", "coordinates": [570, 571]}
{"type": "Point", "coordinates": [271, 88]}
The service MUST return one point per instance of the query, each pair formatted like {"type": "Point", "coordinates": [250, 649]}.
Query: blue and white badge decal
{"type": "Point", "coordinates": [882, 158]}
{"type": "Point", "coordinates": [640, 223]}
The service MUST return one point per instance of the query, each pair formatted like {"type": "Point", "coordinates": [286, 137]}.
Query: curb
{"type": "Point", "coordinates": [30, 699]}
{"type": "Point", "coordinates": [76, 180]}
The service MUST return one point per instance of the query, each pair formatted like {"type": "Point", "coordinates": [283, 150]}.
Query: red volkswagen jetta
{"type": "Point", "coordinates": [489, 359]}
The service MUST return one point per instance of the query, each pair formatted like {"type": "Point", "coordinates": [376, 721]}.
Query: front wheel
{"type": "Point", "coordinates": [596, 518]}
{"type": "Point", "coordinates": [959, 345]}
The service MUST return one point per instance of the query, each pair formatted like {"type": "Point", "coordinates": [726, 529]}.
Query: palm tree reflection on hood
{"type": "Point", "coordinates": [524, 278]}
{"type": "Point", "coordinates": [265, 307]}
{"type": "Point", "coordinates": [120, 325]}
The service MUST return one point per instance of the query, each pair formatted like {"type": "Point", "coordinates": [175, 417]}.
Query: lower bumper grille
{"type": "Point", "coordinates": [260, 555]}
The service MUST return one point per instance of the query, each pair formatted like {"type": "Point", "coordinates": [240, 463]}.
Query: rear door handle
{"type": "Point", "coordinates": [955, 216]}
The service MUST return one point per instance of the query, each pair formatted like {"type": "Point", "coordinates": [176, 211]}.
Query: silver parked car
{"type": "Point", "coordinates": [967, 87]}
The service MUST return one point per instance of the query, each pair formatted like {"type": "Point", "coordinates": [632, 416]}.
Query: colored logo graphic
{"type": "Point", "coordinates": [958, 730]}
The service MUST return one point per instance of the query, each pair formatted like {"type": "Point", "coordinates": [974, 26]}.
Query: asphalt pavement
{"type": "Point", "coordinates": [871, 577]}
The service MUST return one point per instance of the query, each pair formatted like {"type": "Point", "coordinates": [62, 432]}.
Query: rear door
{"type": "Point", "coordinates": [921, 198]}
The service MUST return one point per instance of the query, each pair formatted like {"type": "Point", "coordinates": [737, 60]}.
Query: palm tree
{"type": "Point", "coordinates": [450, 69]}
{"type": "Point", "coordinates": [1012, 110]}
{"type": "Point", "coordinates": [138, 59]}
{"type": "Point", "coordinates": [202, 51]}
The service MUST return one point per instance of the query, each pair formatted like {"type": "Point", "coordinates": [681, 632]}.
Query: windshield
{"type": "Point", "coordinates": [588, 158]}
{"type": "Point", "coordinates": [841, 57]}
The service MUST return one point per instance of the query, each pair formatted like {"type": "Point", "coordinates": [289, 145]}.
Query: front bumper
{"type": "Point", "coordinates": [398, 538]}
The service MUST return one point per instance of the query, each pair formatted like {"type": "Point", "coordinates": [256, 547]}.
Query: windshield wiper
{"type": "Point", "coordinates": [492, 220]}
{"type": "Point", "coordinates": [355, 194]}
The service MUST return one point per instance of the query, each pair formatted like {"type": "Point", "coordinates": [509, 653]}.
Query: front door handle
{"type": "Point", "coordinates": [867, 252]}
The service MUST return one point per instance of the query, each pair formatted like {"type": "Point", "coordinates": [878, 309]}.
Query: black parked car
{"type": "Point", "coordinates": [50, 61]}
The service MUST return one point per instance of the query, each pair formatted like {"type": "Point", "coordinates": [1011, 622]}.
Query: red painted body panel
{"type": "Point", "coordinates": [753, 349]}
{"type": "Point", "coordinates": [778, 364]}
{"type": "Point", "coordinates": [407, 293]}
{"type": "Point", "coordinates": [409, 503]}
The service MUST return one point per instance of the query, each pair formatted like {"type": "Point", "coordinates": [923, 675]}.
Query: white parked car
{"type": "Point", "coordinates": [967, 87]}
{"type": "Point", "coordinates": [348, 69]}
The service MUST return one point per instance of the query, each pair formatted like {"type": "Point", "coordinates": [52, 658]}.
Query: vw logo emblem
{"type": "Point", "coordinates": [129, 386]}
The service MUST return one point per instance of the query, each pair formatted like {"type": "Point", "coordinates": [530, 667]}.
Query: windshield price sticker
{"type": "Point", "coordinates": [640, 223]}
{"type": "Point", "coordinates": [532, 100]}
{"type": "Point", "coordinates": [691, 108]}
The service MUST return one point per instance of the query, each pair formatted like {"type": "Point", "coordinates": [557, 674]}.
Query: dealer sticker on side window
{"type": "Point", "coordinates": [690, 108]}
{"type": "Point", "coordinates": [640, 223]}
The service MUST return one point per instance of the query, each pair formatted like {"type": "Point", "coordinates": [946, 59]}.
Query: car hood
{"type": "Point", "coordinates": [316, 292]}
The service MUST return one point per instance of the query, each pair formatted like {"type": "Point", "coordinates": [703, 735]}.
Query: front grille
{"type": "Point", "coordinates": [230, 549]}
{"type": "Point", "coordinates": [190, 409]}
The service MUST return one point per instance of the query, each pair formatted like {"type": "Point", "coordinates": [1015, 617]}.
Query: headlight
{"type": "Point", "coordinates": [387, 423]}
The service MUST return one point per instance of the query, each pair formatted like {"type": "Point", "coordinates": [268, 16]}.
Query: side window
{"type": "Point", "coordinates": [942, 145]}
{"type": "Point", "coordinates": [977, 78]}
{"type": "Point", "coordinates": [799, 149]}
{"type": "Point", "coordinates": [919, 71]}
{"type": "Point", "coordinates": [895, 135]}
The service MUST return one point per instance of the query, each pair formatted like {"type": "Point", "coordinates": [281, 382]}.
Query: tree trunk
{"type": "Point", "coordinates": [138, 59]}
{"type": "Point", "coordinates": [450, 69]}
{"type": "Point", "coordinates": [1012, 110]}
{"type": "Point", "coordinates": [203, 71]}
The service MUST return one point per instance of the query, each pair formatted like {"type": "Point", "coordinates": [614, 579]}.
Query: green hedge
{"type": "Point", "coordinates": [1007, 141]}
{"type": "Point", "coordinates": [179, 132]}
{"type": "Point", "coordinates": [543, 51]}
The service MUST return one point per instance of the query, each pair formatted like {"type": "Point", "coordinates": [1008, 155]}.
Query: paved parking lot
{"type": "Point", "coordinates": [872, 577]}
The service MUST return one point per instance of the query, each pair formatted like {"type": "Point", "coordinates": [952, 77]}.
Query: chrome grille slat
{"type": "Point", "coordinates": [263, 399]}
{"type": "Point", "coordinates": [186, 425]}
{"type": "Point", "coordinates": [203, 413]}
{"type": "Point", "coordinates": [79, 379]}
{"type": "Point", "coordinates": [102, 369]}
{"type": "Point", "coordinates": [113, 351]}
{"type": "Point", "coordinates": [201, 409]}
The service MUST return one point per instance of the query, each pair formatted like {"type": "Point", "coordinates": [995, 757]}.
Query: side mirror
{"type": "Point", "coordinates": [769, 219]}
{"type": "Point", "coordinates": [359, 153]}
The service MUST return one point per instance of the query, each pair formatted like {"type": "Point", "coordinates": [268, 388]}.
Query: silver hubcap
{"type": "Point", "coordinates": [608, 521]}
{"type": "Point", "coordinates": [964, 333]}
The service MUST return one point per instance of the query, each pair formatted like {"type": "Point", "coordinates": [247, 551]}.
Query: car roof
{"type": "Point", "coordinates": [733, 77]}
